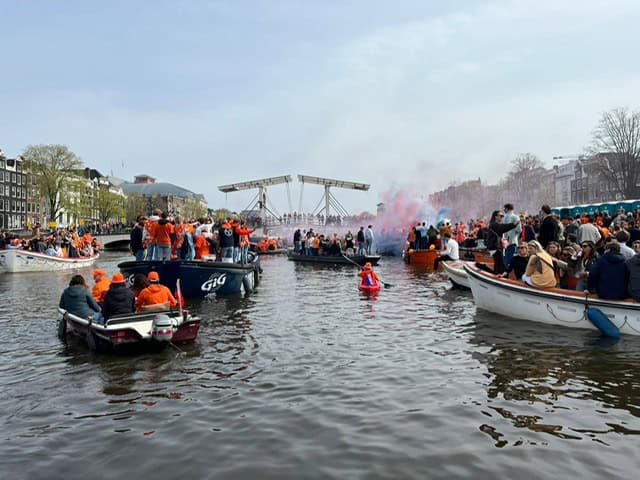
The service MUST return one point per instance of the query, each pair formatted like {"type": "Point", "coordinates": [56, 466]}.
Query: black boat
{"type": "Point", "coordinates": [199, 278]}
{"type": "Point", "coordinates": [334, 259]}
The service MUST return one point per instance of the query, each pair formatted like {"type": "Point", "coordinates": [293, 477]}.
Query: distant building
{"type": "Point", "coordinates": [13, 194]}
{"type": "Point", "coordinates": [168, 197]}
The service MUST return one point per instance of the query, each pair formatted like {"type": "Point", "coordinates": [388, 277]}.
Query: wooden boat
{"type": "Point", "coordinates": [153, 330]}
{"type": "Point", "coordinates": [455, 271]}
{"type": "Point", "coordinates": [364, 288]}
{"type": "Point", "coordinates": [334, 259]}
{"type": "Point", "coordinates": [199, 278]}
{"type": "Point", "coordinates": [19, 261]}
{"type": "Point", "coordinates": [421, 258]}
{"type": "Point", "coordinates": [554, 306]}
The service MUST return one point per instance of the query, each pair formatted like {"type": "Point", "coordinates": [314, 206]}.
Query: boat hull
{"type": "Point", "coordinates": [553, 306]}
{"type": "Point", "coordinates": [198, 278]}
{"type": "Point", "coordinates": [125, 332]}
{"type": "Point", "coordinates": [455, 272]}
{"type": "Point", "coordinates": [21, 261]}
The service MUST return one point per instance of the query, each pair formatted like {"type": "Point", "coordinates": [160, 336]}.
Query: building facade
{"type": "Point", "coordinates": [13, 194]}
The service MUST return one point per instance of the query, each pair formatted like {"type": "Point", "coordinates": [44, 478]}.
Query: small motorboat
{"type": "Point", "coordinates": [149, 329]}
{"type": "Point", "coordinates": [17, 260]}
{"type": "Point", "coordinates": [366, 288]}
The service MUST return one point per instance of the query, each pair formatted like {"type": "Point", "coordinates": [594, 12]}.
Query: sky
{"type": "Point", "coordinates": [407, 96]}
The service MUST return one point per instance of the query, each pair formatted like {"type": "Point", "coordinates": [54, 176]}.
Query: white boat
{"type": "Point", "coordinates": [554, 306]}
{"type": "Point", "coordinates": [18, 261]}
{"type": "Point", "coordinates": [154, 329]}
{"type": "Point", "coordinates": [455, 271]}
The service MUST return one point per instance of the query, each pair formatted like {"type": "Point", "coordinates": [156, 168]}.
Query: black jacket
{"type": "Point", "coordinates": [118, 300]}
{"type": "Point", "coordinates": [493, 241]}
{"type": "Point", "coordinates": [633, 269]}
{"type": "Point", "coordinates": [608, 277]}
{"type": "Point", "coordinates": [549, 231]}
{"type": "Point", "coordinates": [135, 241]}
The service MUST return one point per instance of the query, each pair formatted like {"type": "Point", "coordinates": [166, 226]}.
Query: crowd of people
{"type": "Point", "coordinates": [308, 242]}
{"type": "Point", "coordinates": [110, 297]}
{"type": "Point", "coordinates": [65, 243]}
{"type": "Point", "coordinates": [594, 252]}
{"type": "Point", "coordinates": [159, 237]}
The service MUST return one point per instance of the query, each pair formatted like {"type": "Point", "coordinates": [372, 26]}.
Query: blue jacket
{"type": "Point", "coordinates": [78, 301]}
{"type": "Point", "coordinates": [609, 276]}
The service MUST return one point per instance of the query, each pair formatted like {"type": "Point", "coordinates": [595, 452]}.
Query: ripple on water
{"type": "Point", "coordinates": [308, 378]}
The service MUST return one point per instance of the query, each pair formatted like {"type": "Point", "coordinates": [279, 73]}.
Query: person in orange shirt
{"type": "Point", "coordinates": [162, 232]}
{"type": "Point", "coordinates": [202, 244]}
{"type": "Point", "coordinates": [151, 240]}
{"type": "Point", "coordinates": [244, 231]}
{"type": "Point", "coordinates": [180, 231]}
{"type": "Point", "coordinates": [101, 285]}
{"type": "Point", "coordinates": [155, 294]}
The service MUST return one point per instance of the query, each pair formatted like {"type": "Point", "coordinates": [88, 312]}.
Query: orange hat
{"type": "Point", "coordinates": [118, 278]}
{"type": "Point", "coordinates": [367, 265]}
{"type": "Point", "coordinates": [99, 271]}
{"type": "Point", "coordinates": [153, 277]}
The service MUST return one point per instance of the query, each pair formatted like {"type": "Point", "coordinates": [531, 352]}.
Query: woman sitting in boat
{"type": "Point", "coordinates": [140, 282]}
{"type": "Point", "coordinates": [368, 276]}
{"type": "Point", "coordinates": [155, 296]}
{"type": "Point", "coordinates": [519, 262]}
{"type": "Point", "coordinates": [540, 272]}
{"type": "Point", "coordinates": [119, 299]}
{"type": "Point", "coordinates": [77, 300]}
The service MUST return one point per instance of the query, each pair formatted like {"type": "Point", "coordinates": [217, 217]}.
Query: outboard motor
{"type": "Point", "coordinates": [162, 330]}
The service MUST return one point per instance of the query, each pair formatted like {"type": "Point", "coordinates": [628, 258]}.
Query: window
{"type": "Point", "coordinates": [1, 176]}
{"type": "Point", "coordinates": [13, 178]}
{"type": "Point", "coordinates": [19, 179]}
{"type": "Point", "coordinates": [6, 190]}
{"type": "Point", "coordinates": [1, 163]}
{"type": "Point", "coordinates": [1, 205]}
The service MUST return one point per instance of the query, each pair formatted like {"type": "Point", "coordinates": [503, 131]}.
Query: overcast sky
{"type": "Point", "coordinates": [408, 94]}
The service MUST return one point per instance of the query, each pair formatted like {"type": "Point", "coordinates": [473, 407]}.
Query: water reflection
{"type": "Point", "coordinates": [537, 372]}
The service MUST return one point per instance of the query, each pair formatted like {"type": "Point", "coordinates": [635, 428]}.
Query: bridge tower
{"type": "Point", "coordinates": [329, 199]}
{"type": "Point", "coordinates": [261, 198]}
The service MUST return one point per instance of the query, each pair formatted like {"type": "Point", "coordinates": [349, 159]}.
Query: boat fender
{"type": "Point", "coordinates": [62, 328]}
{"type": "Point", "coordinates": [602, 322]}
{"type": "Point", "coordinates": [246, 283]}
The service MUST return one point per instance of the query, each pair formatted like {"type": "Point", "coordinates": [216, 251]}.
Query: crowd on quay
{"type": "Point", "coordinates": [110, 297]}
{"type": "Point", "coordinates": [65, 243]}
{"type": "Point", "coordinates": [308, 242]}
{"type": "Point", "coordinates": [594, 252]}
{"type": "Point", "coordinates": [296, 218]}
{"type": "Point", "coordinates": [159, 237]}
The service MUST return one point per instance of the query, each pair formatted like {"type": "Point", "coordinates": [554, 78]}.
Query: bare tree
{"type": "Point", "coordinates": [526, 169]}
{"type": "Point", "coordinates": [615, 150]}
{"type": "Point", "coordinates": [53, 167]}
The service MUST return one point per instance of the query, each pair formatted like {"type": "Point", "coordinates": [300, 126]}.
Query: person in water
{"type": "Point", "coordinates": [77, 299]}
{"type": "Point", "coordinates": [368, 276]}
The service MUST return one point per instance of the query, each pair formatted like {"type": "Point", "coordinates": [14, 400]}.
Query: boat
{"type": "Point", "coordinates": [421, 258]}
{"type": "Point", "coordinates": [455, 271]}
{"type": "Point", "coordinates": [365, 288]}
{"type": "Point", "coordinates": [150, 329]}
{"type": "Point", "coordinates": [334, 259]}
{"type": "Point", "coordinates": [199, 278]}
{"type": "Point", "coordinates": [554, 306]}
{"type": "Point", "coordinates": [18, 261]}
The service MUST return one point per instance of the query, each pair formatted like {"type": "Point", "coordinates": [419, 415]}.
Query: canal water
{"type": "Point", "coordinates": [308, 379]}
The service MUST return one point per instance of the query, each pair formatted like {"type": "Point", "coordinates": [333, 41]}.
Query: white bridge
{"type": "Point", "coordinates": [115, 241]}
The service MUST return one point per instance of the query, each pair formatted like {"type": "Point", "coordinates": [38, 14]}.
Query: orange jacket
{"type": "Point", "coordinates": [100, 289]}
{"type": "Point", "coordinates": [244, 235]}
{"type": "Point", "coordinates": [154, 294]}
{"type": "Point", "coordinates": [363, 275]}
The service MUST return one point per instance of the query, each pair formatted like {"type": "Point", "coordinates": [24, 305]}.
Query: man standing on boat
{"type": "Point", "coordinates": [512, 235]}
{"type": "Point", "coordinates": [225, 233]}
{"type": "Point", "coordinates": [360, 238]}
{"type": "Point", "coordinates": [450, 252]}
{"type": "Point", "coordinates": [136, 243]}
{"type": "Point", "coordinates": [369, 238]}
